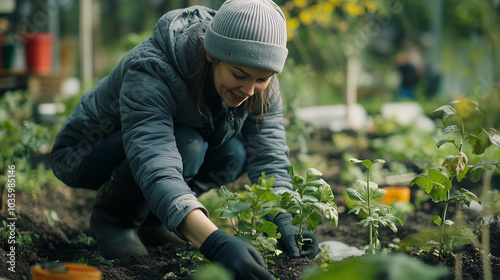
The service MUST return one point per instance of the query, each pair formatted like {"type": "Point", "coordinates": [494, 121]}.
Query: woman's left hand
{"type": "Point", "coordinates": [288, 244]}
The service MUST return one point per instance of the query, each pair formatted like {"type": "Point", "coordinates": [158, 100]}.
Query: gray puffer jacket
{"type": "Point", "coordinates": [145, 96]}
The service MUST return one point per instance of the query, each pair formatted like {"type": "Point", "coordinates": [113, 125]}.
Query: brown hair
{"type": "Point", "coordinates": [257, 103]}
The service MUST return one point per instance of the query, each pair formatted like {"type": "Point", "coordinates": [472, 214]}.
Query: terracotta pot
{"type": "Point", "coordinates": [72, 271]}
{"type": "Point", "coordinates": [395, 194]}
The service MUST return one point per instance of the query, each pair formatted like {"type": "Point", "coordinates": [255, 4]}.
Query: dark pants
{"type": "Point", "coordinates": [214, 167]}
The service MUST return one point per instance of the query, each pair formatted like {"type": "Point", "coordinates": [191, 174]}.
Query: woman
{"type": "Point", "coordinates": [191, 108]}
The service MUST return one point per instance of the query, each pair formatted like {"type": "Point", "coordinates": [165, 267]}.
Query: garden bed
{"type": "Point", "coordinates": [57, 220]}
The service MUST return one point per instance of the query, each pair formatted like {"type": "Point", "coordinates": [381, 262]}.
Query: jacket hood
{"type": "Point", "coordinates": [176, 33]}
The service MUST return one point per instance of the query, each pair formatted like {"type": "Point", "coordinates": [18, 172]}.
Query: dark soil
{"type": "Point", "coordinates": [64, 238]}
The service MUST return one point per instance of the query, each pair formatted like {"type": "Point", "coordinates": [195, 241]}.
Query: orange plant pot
{"type": "Point", "coordinates": [395, 194]}
{"type": "Point", "coordinates": [39, 47]}
{"type": "Point", "coordinates": [56, 271]}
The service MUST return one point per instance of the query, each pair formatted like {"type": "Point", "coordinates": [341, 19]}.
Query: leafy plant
{"type": "Point", "coordinates": [310, 200]}
{"type": "Point", "coordinates": [364, 195]}
{"type": "Point", "coordinates": [247, 211]}
{"type": "Point", "coordinates": [464, 122]}
{"type": "Point", "coordinates": [19, 136]}
{"type": "Point", "coordinates": [24, 239]}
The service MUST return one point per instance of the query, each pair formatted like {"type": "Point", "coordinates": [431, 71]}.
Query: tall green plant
{"type": "Point", "coordinates": [310, 200]}
{"type": "Point", "coordinates": [463, 122]}
{"type": "Point", "coordinates": [364, 195]}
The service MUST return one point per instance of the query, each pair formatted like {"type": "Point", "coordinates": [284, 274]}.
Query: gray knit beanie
{"type": "Point", "coordinates": [250, 33]}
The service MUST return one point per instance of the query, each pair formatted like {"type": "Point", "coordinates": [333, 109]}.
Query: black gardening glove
{"type": "Point", "coordinates": [287, 242]}
{"type": "Point", "coordinates": [237, 256]}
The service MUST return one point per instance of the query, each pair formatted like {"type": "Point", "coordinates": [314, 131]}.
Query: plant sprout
{"type": "Point", "coordinates": [364, 195]}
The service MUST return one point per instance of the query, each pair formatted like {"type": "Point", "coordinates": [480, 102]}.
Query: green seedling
{"type": "Point", "coordinates": [25, 239]}
{"type": "Point", "coordinates": [364, 195]}
{"type": "Point", "coordinates": [464, 122]}
{"type": "Point", "coordinates": [310, 200]}
{"type": "Point", "coordinates": [247, 211]}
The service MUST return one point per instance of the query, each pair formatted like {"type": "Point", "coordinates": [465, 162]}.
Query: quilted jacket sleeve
{"type": "Point", "coordinates": [147, 107]}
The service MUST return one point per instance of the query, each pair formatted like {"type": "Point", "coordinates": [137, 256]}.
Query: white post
{"type": "Point", "coordinates": [86, 59]}
{"type": "Point", "coordinates": [353, 69]}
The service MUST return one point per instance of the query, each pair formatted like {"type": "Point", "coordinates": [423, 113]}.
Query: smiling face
{"type": "Point", "coordinates": [236, 83]}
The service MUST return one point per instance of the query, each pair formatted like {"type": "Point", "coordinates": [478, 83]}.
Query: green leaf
{"type": "Point", "coordinates": [313, 221]}
{"type": "Point", "coordinates": [378, 193]}
{"type": "Point", "coordinates": [313, 174]}
{"type": "Point", "coordinates": [464, 196]}
{"type": "Point", "coordinates": [476, 172]}
{"type": "Point", "coordinates": [463, 174]}
{"type": "Point", "coordinates": [225, 193]}
{"type": "Point", "coordinates": [436, 184]}
{"type": "Point", "coordinates": [226, 213]}
{"type": "Point", "coordinates": [367, 163]}
{"type": "Point", "coordinates": [238, 206]}
{"type": "Point", "coordinates": [437, 220]}
{"type": "Point", "coordinates": [285, 201]}
{"type": "Point", "coordinates": [270, 181]}
{"type": "Point", "coordinates": [268, 228]}
{"type": "Point", "coordinates": [366, 222]}
{"type": "Point", "coordinates": [357, 209]}
{"type": "Point", "coordinates": [354, 195]}
{"type": "Point", "coordinates": [445, 111]}
{"type": "Point", "coordinates": [443, 141]}
{"type": "Point", "coordinates": [309, 199]}
{"type": "Point", "coordinates": [450, 129]}
{"type": "Point", "coordinates": [296, 220]}
{"type": "Point", "coordinates": [479, 143]}
{"type": "Point", "coordinates": [332, 215]}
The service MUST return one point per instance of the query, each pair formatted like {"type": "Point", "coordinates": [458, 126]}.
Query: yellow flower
{"type": "Point", "coordinates": [306, 17]}
{"type": "Point", "coordinates": [300, 3]}
{"type": "Point", "coordinates": [353, 9]}
{"type": "Point", "coordinates": [322, 13]}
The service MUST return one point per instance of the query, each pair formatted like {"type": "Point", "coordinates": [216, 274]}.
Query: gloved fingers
{"type": "Point", "coordinates": [309, 250]}
{"type": "Point", "coordinates": [289, 245]}
{"type": "Point", "coordinates": [257, 256]}
{"type": "Point", "coordinates": [311, 247]}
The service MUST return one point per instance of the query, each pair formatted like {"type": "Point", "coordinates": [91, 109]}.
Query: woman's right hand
{"type": "Point", "coordinates": [237, 256]}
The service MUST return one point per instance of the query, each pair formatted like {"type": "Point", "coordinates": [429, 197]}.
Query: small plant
{"type": "Point", "coordinates": [247, 211]}
{"type": "Point", "coordinates": [364, 195]}
{"type": "Point", "coordinates": [85, 239]}
{"type": "Point", "coordinates": [310, 200]}
{"type": "Point", "coordinates": [25, 239]}
{"type": "Point", "coordinates": [463, 121]}
{"type": "Point", "coordinates": [83, 260]}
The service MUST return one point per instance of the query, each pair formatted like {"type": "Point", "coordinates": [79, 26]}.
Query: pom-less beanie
{"type": "Point", "coordinates": [250, 33]}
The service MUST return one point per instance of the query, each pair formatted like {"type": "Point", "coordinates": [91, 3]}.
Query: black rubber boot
{"type": "Point", "coordinates": [154, 232]}
{"type": "Point", "coordinates": [116, 217]}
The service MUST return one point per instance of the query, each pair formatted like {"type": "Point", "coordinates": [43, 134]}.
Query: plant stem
{"type": "Point", "coordinates": [443, 219]}
{"type": "Point", "coordinates": [368, 203]}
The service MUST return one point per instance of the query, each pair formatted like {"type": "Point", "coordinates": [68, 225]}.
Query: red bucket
{"type": "Point", "coordinates": [38, 47]}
